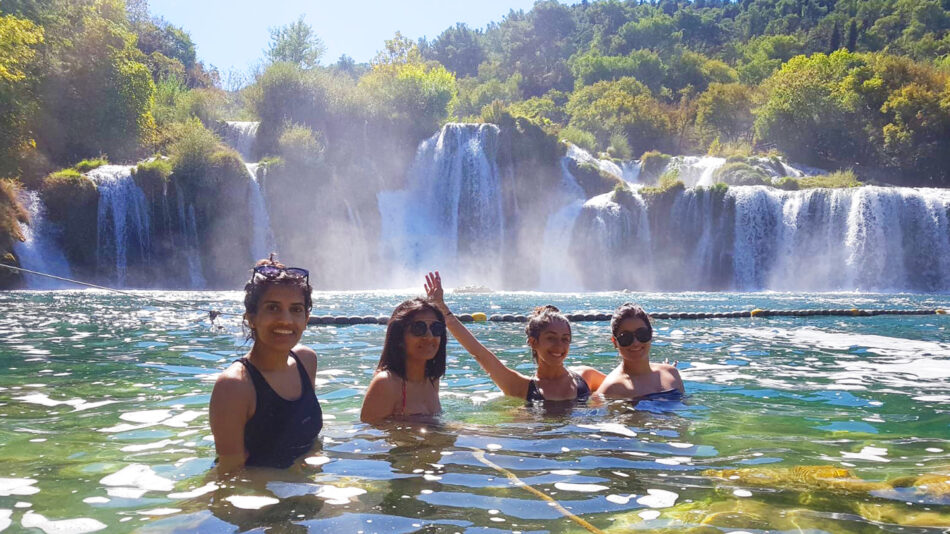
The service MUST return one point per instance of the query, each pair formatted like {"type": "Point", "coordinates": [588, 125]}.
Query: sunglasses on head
{"type": "Point", "coordinates": [625, 339]}
{"type": "Point", "coordinates": [272, 272]}
{"type": "Point", "coordinates": [419, 328]}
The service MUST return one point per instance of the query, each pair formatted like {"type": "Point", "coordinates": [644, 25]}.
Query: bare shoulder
{"type": "Point", "coordinates": [667, 369]}
{"type": "Point", "coordinates": [384, 380]}
{"type": "Point", "coordinates": [308, 357]}
{"type": "Point", "coordinates": [234, 384]}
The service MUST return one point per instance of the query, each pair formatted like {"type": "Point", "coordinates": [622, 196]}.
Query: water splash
{"type": "Point", "coordinates": [262, 237]}
{"type": "Point", "coordinates": [40, 250]}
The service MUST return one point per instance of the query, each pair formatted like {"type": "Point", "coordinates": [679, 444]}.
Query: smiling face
{"type": "Point", "coordinates": [553, 343]}
{"type": "Point", "coordinates": [423, 347]}
{"type": "Point", "coordinates": [637, 350]}
{"type": "Point", "coordinates": [281, 317]}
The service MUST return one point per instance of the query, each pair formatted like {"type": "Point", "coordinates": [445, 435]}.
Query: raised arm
{"type": "Point", "coordinates": [510, 381]}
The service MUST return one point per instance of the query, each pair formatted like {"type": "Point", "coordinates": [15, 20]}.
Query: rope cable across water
{"type": "Point", "coordinates": [480, 456]}
{"type": "Point", "coordinates": [211, 313]}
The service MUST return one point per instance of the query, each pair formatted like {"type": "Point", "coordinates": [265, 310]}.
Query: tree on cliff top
{"type": "Point", "coordinates": [295, 43]}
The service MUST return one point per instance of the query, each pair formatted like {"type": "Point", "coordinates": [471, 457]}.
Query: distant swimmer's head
{"type": "Point", "coordinates": [549, 334]}
{"type": "Point", "coordinates": [278, 296]}
{"type": "Point", "coordinates": [631, 329]}
{"type": "Point", "coordinates": [416, 330]}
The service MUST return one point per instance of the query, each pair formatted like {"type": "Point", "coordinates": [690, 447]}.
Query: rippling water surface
{"type": "Point", "coordinates": [103, 423]}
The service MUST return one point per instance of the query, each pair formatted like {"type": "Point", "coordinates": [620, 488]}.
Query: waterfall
{"type": "Point", "coordinates": [241, 135]}
{"type": "Point", "coordinates": [262, 238]}
{"type": "Point", "coordinates": [188, 236]}
{"type": "Point", "coordinates": [40, 251]}
{"type": "Point", "coordinates": [558, 271]}
{"type": "Point", "coordinates": [123, 221]}
{"type": "Point", "coordinates": [612, 244]}
{"type": "Point", "coordinates": [450, 214]}
{"type": "Point", "coordinates": [694, 170]}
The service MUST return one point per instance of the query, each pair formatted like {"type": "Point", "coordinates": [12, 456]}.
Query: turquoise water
{"type": "Point", "coordinates": [103, 423]}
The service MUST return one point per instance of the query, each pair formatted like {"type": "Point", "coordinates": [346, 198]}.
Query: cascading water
{"type": "Point", "coordinates": [558, 272]}
{"type": "Point", "coordinates": [262, 238]}
{"type": "Point", "coordinates": [612, 241]}
{"type": "Point", "coordinates": [188, 235]}
{"type": "Point", "coordinates": [241, 136]}
{"type": "Point", "coordinates": [450, 214]}
{"type": "Point", "coordinates": [123, 226]}
{"type": "Point", "coordinates": [40, 251]}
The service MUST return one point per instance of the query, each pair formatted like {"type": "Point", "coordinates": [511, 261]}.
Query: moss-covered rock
{"type": "Point", "coordinates": [72, 201]}
{"type": "Point", "coordinates": [787, 183]}
{"type": "Point", "coordinates": [834, 180]}
{"type": "Point", "coordinates": [740, 173]}
{"type": "Point", "coordinates": [592, 179]}
{"type": "Point", "coordinates": [652, 164]}
{"type": "Point", "coordinates": [87, 165]}
{"type": "Point", "coordinates": [152, 176]}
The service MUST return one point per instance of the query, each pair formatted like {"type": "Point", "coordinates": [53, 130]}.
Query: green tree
{"type": "Point", "coordinates": [724, 111]}
{"type": "Point", "coordinates": [295, 43]}
{"type": "Point", "coordinates": [459, 49]}
{"type": "Point", "coordinates": [18, 41]}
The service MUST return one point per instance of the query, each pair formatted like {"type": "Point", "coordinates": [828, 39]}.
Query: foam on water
{"type": "Point", "coordinates": [62, 526]}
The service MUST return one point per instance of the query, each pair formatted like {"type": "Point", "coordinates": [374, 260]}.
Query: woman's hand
{"type": "Point", "coordinates": [434, 291]}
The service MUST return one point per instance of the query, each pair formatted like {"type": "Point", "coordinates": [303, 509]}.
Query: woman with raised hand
{"type": "Point", "coordinates": [406, 382]}
{"type": "Point", "coordinates": [636, 377]}
{"type": "Point", "coordinates": [263, 409]}
{"type": "Point", "coordinates": [549, 336]}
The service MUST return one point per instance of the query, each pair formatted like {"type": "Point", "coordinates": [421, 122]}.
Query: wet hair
{"type": "Point", "coordinates": [393, 358]}
{"type": "Point", "coordinates": [628, 310]}
{"type": "Point", "coordinates": [258, 285]}
{"type": "Point", "coordinates": [540, 319]}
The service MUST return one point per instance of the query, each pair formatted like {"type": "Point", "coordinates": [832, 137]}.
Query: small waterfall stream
{"type": "Point", "coordinates": [124, 233]}
{"type": "Point", "coordinates": [40, 251]}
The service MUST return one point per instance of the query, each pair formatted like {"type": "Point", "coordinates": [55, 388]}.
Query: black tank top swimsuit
{"type": "Point", "coordinates": [583, 390]}
{"type": "Point", "coordinates": [281, 430]}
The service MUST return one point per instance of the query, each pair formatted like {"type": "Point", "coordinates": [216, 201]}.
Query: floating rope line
{"type": "Point", "coordinates": [480, 456]}
{"type": "Point", "coordinates": [604, 317]}
{"type": "Point", "coordinates": [212, 314]}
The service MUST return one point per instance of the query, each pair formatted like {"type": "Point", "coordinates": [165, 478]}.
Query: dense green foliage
{"type": "Point", "coordinates": [860, 85]}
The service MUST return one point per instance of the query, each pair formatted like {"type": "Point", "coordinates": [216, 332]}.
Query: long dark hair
{"type": "Point", "coordinates": [393, 358]}
{"type": "Point", "coordinates": [540, 320]}
{"type": "Point", "coordinates": [258, 285]}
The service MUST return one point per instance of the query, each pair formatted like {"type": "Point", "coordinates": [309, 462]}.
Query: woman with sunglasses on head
{"type": "Point", "coordinates": [549, 336]}
{"type": "Point", "coordinates": [636, 377]}
{"type": "Point", "coordinates": [406, 382]}
{"type": "Point", "coordinates": [263, 409]}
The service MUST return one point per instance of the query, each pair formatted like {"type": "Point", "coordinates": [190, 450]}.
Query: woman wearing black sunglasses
{"type": "Point", "coordinates": [549, 336]}
{"type": "Point", "coordinates": [406, 382]}
{"type": "Point", "coordinates": [263, 409]}
{"type": "Point", "coordinates": [636, 377]}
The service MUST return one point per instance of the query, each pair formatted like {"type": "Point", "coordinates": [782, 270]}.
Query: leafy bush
{"type": "Point", "coordinates": [835, 180]}
{"type": "Point", "coordinates": [668, 184]}
{"type": "Point", "coordinates": [622, 195]}
{"type": "Point", "coordinates": [619, 147]}
{"type": "Point", "coordinates": [192, 149]}
{"type": "Point", "coordinates": [87, 165]}
{"type": "Point", "coordinates": [579, 137]}
{"type": "Point", "coordinates": [788, 183]}
{"type": "Point", "coordinates": [652, 164]}
{"type": "Point", "coordinates": [299, 146]}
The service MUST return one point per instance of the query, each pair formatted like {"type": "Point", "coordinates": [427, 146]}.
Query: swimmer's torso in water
{"type": "Point", "coordinates": [583, 390]}
{"type": "Point", "coordinates": [281, 430]}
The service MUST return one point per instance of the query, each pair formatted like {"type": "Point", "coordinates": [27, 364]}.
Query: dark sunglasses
{"type": "Point", "coordinates": [271, 272]}
{"type": "Point", "coordinates": [625, 339]}
{"type": "Point", "coordinates": [419, 328]}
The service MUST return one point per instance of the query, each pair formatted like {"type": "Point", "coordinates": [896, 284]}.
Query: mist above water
{"type": "Point", "coordinates": [458, 210]}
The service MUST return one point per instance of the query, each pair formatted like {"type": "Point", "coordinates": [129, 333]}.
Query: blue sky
{"type": "Point", "coordinates": [232, 34]}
